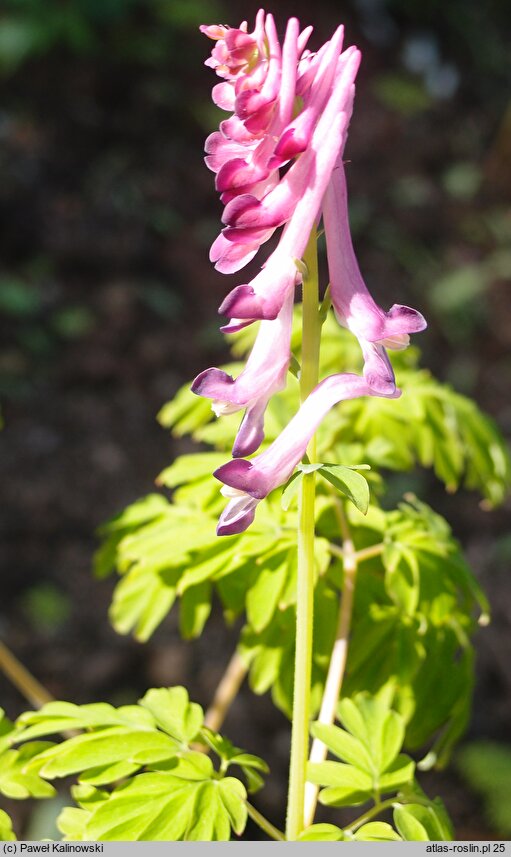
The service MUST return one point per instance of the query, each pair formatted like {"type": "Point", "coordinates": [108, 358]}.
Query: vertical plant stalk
{"type": "Point", "coordinates": [226, 692]}
{"type": "Point", "coordinates": [338, 658]}
{"type": "Point", "coordinates": [311, 333]}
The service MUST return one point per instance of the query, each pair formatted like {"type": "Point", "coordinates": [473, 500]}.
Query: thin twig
{"type": "Point", "coordinates": [22, 679]}
{"type": "Point", "coordinates": [226, 692]}
{"type": "Point", "coordinates": [264, 824]}
{"type": "Point", "coordinates": [367, 816]}
{"type": "Point", "coordinates": [338, 658]}
{"type": "Point", "coordinates": [362, 554]}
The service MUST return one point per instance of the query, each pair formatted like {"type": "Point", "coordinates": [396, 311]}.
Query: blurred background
{"type": "Point", "coordinates": [108, 304]}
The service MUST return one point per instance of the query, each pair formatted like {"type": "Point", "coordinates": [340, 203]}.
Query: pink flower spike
{"type": "Point", "coordinates": [255, 479]}
{"type": "Point", "coordinates": [264, 374]}
{"type": "Point", "coordinates": [352, 302]}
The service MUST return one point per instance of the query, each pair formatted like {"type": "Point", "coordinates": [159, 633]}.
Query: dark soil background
{"type": "Point", "coordinates": [109, 304]}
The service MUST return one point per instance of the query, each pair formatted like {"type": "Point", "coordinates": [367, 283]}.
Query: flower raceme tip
{"type": "Point", "coordinates": [290, 108]}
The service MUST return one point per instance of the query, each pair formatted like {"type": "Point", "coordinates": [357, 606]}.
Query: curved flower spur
{"type": "Point", "coordinates": [290, 108]}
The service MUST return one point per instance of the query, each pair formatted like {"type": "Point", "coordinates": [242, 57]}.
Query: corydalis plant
{"type": "Point", "coordinates": [395, 603]}
{"type": "Point", "coordinates": [290, 109]}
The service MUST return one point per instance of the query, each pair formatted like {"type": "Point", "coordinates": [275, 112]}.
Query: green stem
{"type": "Point", "coordinates": [264, 824]}
{"type": "Point", "coordinates": [367, 816]}
{"type": "Point", "coordinates": [311, 334]}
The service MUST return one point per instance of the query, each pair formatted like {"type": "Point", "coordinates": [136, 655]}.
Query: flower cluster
{"type": "Point", "coordinates": [290, 108]}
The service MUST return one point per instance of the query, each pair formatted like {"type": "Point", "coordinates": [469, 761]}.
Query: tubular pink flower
{"type": "Point", "coordinates": [264, 374]}
{"type": "Point", "coordinates": [264, 296]}
{"type": "Point", "coordinates": [254, 106]}
{"type": "Point", "coordinates": [235, 49]}
{"type": "Point", "coordinates": [248, 482]}
{"type": "Point", "coordinates": [297, 135]}
{"type": "Point", "coordinates": [249, 166]}
{"type": "Point", "coordinates": [353, 305]}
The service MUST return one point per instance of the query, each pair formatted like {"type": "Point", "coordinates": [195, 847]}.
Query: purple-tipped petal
{"type": "Point", "coordinates": [212, 384]}
{"type": "Point", "coordinates": [401, 320]}
{"type": "Point", "coordinates": [236, 324]}
{"type": "Point", "coordinates": [230, 257]}
{"type": "Point", "coordinates": [242, 476]}
{"type": "Point", "coordinates": [237, 516]}
{"type": "Point", "coordinates": [378, 371]}
{"type": "Point", "coordinates": [251, 431]}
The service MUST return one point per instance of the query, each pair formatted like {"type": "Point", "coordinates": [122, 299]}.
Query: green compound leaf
{"type": "Point", "coordinates": [349, 482]}
{"type": "Point", "coordinates": [121, 741]}
{"type": "Point", "coordinates": [178, 794]}
{"type": "Point", "coordinates": [370, 745]}
{"type": "Point", "coordinates": [415, 642]}
{"type": "Point", "coordinates": [321, 833]}
{"type": "Point", "coordinates": [186, 802]}
{"type": "Point", "coordinates": [6, 832]}
{"type": "Point", "coordinates": [177, 554]}
{"type": "Point", "coordinates": [379, 729]}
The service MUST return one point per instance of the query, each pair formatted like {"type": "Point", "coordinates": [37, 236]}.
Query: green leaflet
{"type": "Point", "coordinates": [173, 712]}
{"type": "Point", "coordinates": [376, 831]}
{"type": "Point", "coordinates": [349, 482]}
{"type": "Point", "coordinates": [55, 717]}
{"type": "Point", "coordinates": [105, 748]}
{"type": "Point", "coordinates": [270, 652]}
{"type": "Point", "coordinates": [18, 779]}
{"type": "Point", "coordinates": [6, 832]}
{"type": "Point", "coordinates": [416, 822]}
{"type": "Point", "coordinates": [251, 766]}
{"type": "Point", "coordinates": [322, 833]}
{"type": "Point", "coordinates": [369, 747]}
